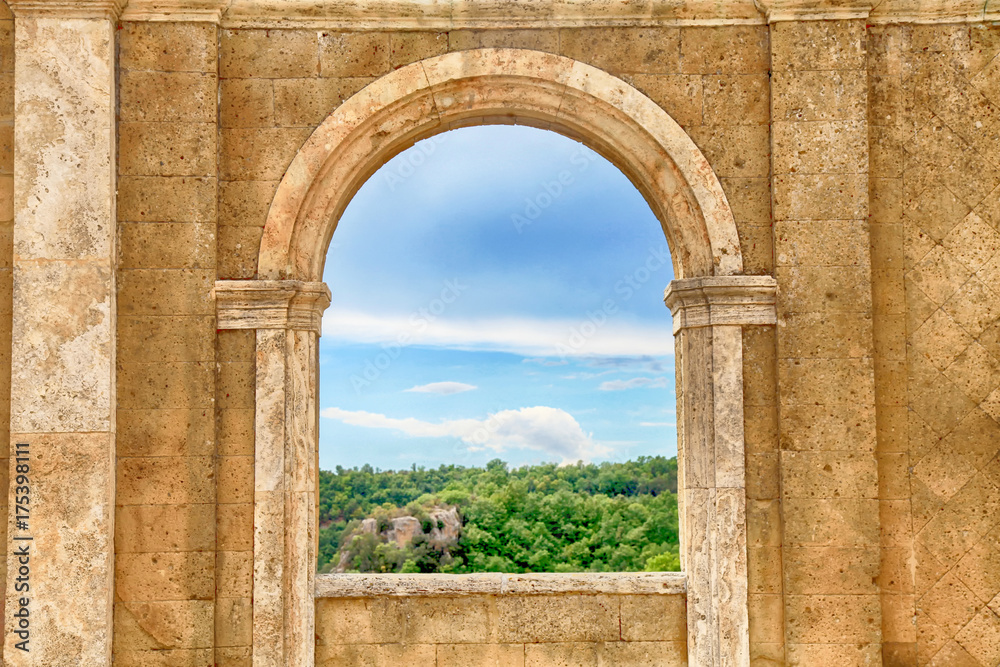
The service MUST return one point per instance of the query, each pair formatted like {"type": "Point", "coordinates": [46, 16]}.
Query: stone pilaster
{"type": "Point", "coordinates": [708, 315]}
{"type": "Point", "coordinates": [287, 316]}
{"type": "Point", "coordinates": [63, 356]}
{"type": "Point", "coordinates": [829, 484]}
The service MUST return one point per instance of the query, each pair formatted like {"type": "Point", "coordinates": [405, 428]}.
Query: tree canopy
{"type": "Point", "coordinates": [544, 518]}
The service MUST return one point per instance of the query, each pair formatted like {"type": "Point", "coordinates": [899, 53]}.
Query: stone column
{"type": "Point", "coordinates": [829, 484]}
{"type": "Point", "coordinates": [63, 369]}
{"type": "Point", "coordinates": [708, 315]}
{"type": "Point", "coordinates": [287, 316]}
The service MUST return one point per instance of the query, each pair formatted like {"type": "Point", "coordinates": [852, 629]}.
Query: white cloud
{"type": "Point", "coordinates": [633, 383]}
{"type": "Point", "coordinates": [443, 388]}
{"type": "Point", "coordinates": [525, 336]}
{"type": "Point", "coordinates": [541, 428]}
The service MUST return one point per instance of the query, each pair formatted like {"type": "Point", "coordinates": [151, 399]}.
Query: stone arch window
{"type": "Point", "coordinates": [710, 300]}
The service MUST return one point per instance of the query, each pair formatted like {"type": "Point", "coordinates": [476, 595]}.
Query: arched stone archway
{"type": "Point", "coordinates": [710, 301]}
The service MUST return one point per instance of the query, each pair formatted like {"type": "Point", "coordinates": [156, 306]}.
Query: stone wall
{"type": "Point", "coordinates": [506, 631]}
{"type": "Point", "coordinates": [870, 411]}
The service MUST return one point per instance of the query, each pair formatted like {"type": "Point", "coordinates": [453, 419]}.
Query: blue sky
{"type": "Point", "coordinates": [497, 293]}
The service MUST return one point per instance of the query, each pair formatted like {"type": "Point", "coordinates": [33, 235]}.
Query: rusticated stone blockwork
{"type": "Point", "coordinates": [827, 173]}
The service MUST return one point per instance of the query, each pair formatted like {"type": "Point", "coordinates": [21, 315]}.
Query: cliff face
{"type": "Point", "coordinates": [444, 531]}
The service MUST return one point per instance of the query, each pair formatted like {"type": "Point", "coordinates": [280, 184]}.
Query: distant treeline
{"type": "Point", "coordinates": [543, 518]}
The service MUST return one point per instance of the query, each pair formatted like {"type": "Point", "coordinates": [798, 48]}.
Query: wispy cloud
{"type": "Point", "coordinates": [443, 388]}
{"type": "Point", "coordinates": [524, 336]}
{"type": "Point", "coordinates": [541, 428]}
{"type": "Point", "coordinates": [633, 383]}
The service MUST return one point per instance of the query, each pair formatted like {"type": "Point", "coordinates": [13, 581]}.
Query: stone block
{"type": "Point", "coordinates": [749, 199]}
{"type": "Point", "coordinates": [766, 619]}
{"type": "Point", "coordinates": [386, 655]}
{"type": "Point", "coordinates": [166, 292]}
{"type": "Point", "coordinates": [247, 103]}
{"type": "Point", "coordinates": [839, 474]}
{"type": "Point", "coordinates": [737, 99]}
{"type": "Point", "coordinates": [234, 574]}
{"type": "Point", "coordinates": [236, 432]}
{"type": "Point", "coordinates": [159, 339]}
{"type": "Point", "coordinates": [167, 96]}
{"type": "Point", "coordinates": [826, 243]}
{"type": "Point", "coordinates": [736, 151]}
{"type": "Point", "coordinates": [535, 40]}
{"type": "Point", "coordinates": [307, 102]}
{"type": "Point", "coordinates": [202, 657]}
{"type": "Point", "coordinates": [409, 47]}
{"type": "Point", "coordinates": [480, 655]}
{"type": "Point", "coordinates": [234, 656]}
{"type": "Point", "coordinates": [168, 480]}
{"type": "Point", "coordinates": [141, 577]}
{"type": "Point", "coordinates": [166, 432]}
{"type": "Point", "coordinates": [833, 619]}
{"type": "Point", "coordinates": [830, 570]}
{"type": "Point", "coordinates": [236, 385]}
{"type": "Point", "coordinates": [259, 154]}
{"type": "Point", "coordinates": [238, 249]}
{"type": "Point", "coordinates": [167, 149]}
{"type": "Point", "coordinates": [245, 202]}
{"type": "Point", "coordinates": [832, 655]}
{"type": "Point", "coordinates": [235, 479]}
{"type": "Point", "coordinates": [563, 654]}
{"type": "Point", "coordinates": [818, 45]}
{"type": "Point", "coordinates": [823, 289]}
{"type": "Point", "coordinates": [825, 335]}
{"type": "Point", "coordinates": [236, 345]}
{"type": "Point", "coordinates": [819, 95]}
{"type": "Point", "coordinates": [268, 54]}
{"type": "Point", "coordinates": [166, 199]}
{"type": "Point", "coordinates": [172, 384]}
{"type": "Point", "coordinates": [234, 622]}
{"type": "Point", "coordinates": [438, 620]}
{"type": "Point", "coordinates": [831, 522]}
{"type": "Point", "coordinates": [764, 570]}
{"type": "Point", "coordinates": [235, 527]}
{"type": "Point", "coordinates": [724, 50]}
{"type": "Point", "coordinates": [7, 148]}
{"type": "Point", "coordinates": [166, 245]}
{"type": "Point", "coordinates": [820, 147]}
{"type": "Point", "coordinates": [844, 382]}
{"type": "Point", "coordinates": [163, 528]}
{"type": "Point", "coordinates": [821, 197]}
{"type": "Point", "coordinates": [179, 624]}
{"type": "Point", "coordinates": [580, 618]}
{"type": "Point", "coordinates": [632, 50]}
{"type": "Point", "coordinates": [354, 54]}
{"type": "Point", "coordinates": [168, 46]}
{"type": "Point", "coordinates": [341, 621]}
{"type": "Point", "coordinates": [680, 95]}
{"type": "Point", "coordinates": [652, 618]}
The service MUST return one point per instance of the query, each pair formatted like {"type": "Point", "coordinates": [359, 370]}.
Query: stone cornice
{"type": "Point", "coordinates": [472, 14]}
{"type": "Point", "coordinates": [67, 9]}
{"type": "Point", "coordinates": [721, 300]}
{"type": "Point", "coordinates": [271, 304]}
{"type": "Point", "coordinates": [815, 10]}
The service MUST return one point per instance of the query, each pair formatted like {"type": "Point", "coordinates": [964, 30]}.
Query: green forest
{"type": "Point", "coordinates": [608, 517]}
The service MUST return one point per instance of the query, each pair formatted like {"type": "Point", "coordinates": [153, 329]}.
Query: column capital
{"type": "Point", "coordinates": [721, 300]}
{"type": "Point", "coordinates": [271, 304]}
{"type": "Point", "coordinates": [68, 9]}
{"type": "Point", "coordinates": [814, 10]}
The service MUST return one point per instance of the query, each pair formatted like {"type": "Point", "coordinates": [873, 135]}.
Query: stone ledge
{"type": "Point", "coordinates": [67, 9]}
{"type": "Point", "coordinates": [271, 304]}
{"type": "Point", "coordinates": [475, 14]}
{"type": "Point", "coordinates": [457, 585]}
{"type": "Point", "coordinates": [721, 300]}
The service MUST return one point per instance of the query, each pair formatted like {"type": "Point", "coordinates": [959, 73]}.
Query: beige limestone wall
{"type": "Point", "coordinates": [935, 214]}
{"type": "Point", "coordinates": [6, 249]}
{"type": "Point", "coordinates": [506, 631]}
{"type": "Point", "coordinates": [165, 541]}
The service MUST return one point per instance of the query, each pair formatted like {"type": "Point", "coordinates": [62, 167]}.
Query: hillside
{"type": "Point", "coordinates": [542, 518]}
